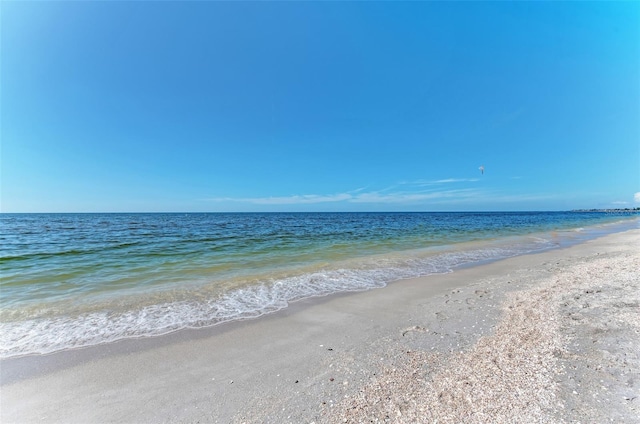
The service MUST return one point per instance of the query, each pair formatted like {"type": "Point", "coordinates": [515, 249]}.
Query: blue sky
{"type": "Point", "coordinates": [310, 106]}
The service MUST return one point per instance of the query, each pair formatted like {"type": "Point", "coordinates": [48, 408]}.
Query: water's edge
{"type": "Point", "coordinates": [33, 337]}
{"type": "Point", "coordinates": [24, 367]}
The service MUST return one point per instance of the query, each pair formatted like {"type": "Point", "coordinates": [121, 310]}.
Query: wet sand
{"type": "Point", "coordinates": [549, 337]}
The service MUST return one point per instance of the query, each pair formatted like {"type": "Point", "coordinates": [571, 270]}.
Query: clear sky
{"type": "Point", "coordinates": [315, 106]}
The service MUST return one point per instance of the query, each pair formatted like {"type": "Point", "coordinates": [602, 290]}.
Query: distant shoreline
{"type": "Point", "coordinates": [624, 211]}
{"type": "Point", "coordinates": [292, 212]}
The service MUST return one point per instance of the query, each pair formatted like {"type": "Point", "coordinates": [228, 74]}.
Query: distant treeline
{"type": "Point", "coordinates": [614, 210]}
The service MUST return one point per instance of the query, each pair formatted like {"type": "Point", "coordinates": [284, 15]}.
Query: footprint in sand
{"type": "Point", "coordinates": [441, 316]}
{"type": "Point", "coordinates": [414, 329]}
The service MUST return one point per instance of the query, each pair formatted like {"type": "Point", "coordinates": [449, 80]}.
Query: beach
{"type": "Point", "coordinates": [544, 337]}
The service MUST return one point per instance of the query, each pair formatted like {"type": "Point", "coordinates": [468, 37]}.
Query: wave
{"type": "Point", "coordinates": [197, 308]}
{"type": "Point", "coordinates": [138, 310]}
{"type": "Point", "coordinates": [68, 253]}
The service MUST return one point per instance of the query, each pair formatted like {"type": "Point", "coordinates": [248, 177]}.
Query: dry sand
{"type": "Point", "coordinates": [550, 337]}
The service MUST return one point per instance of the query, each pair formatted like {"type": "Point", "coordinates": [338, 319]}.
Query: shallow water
{"type": "Point", "coordinates": [71, 280]}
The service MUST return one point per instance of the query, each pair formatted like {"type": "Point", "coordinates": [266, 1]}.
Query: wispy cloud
{"type": "Point", "coordinates": [411, 197]}
{"type": "Point", "coordinates": [356, 196]}
{"type": "Point", "coordinates": [286, 200]}
{"type": "Point", "coordinates": [636, 197]}
{"type": "Point", "coordinates": [517, 198]}
{"type": "Point", "coordinates": [425, 183]}
{"type": "Point", "coordinates": [456, 180]}
{"type": "Point", "coordinates": [303, 199]}
{"type": "Point", "coordinates": [443, 191]}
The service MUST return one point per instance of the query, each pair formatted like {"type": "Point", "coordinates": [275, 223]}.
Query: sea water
{"type": "Point", "coordinates": [73, 280]}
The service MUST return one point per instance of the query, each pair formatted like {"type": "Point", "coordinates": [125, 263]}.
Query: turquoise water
{"type": "Point", "coordinates": [71, 280]}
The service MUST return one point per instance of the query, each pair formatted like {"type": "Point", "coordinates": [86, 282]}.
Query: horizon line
{"type": "Point", "coordinates": [344, 211]}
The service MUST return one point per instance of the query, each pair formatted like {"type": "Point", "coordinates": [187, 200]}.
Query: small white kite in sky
{"type": "Point", "coordinates": [481, 169]}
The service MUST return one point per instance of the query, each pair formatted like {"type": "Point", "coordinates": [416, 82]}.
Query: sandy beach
{"type": "Point", "coordinates": [547, 337]}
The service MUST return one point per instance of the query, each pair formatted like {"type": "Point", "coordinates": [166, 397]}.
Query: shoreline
{"type": "Point", "coordinates": [288, 366]}
{"type": "Point", "coordinates": [30, 364]}
{"type": "Point", "coordinates": [105, 324]}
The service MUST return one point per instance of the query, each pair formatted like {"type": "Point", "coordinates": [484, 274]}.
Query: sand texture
{"type": "Point", "coordinates": [567, 350]}
{"type": "Point", "coordinates": [551, 337]}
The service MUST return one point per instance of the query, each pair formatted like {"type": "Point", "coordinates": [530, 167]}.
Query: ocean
{"type": "Point", "coordinates": [74, 280]}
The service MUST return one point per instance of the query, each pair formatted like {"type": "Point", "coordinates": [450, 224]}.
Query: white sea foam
{"type": "Point", "coordinates": [54, 333]}
{"type": "Point", "coordinates": [202, 305]}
